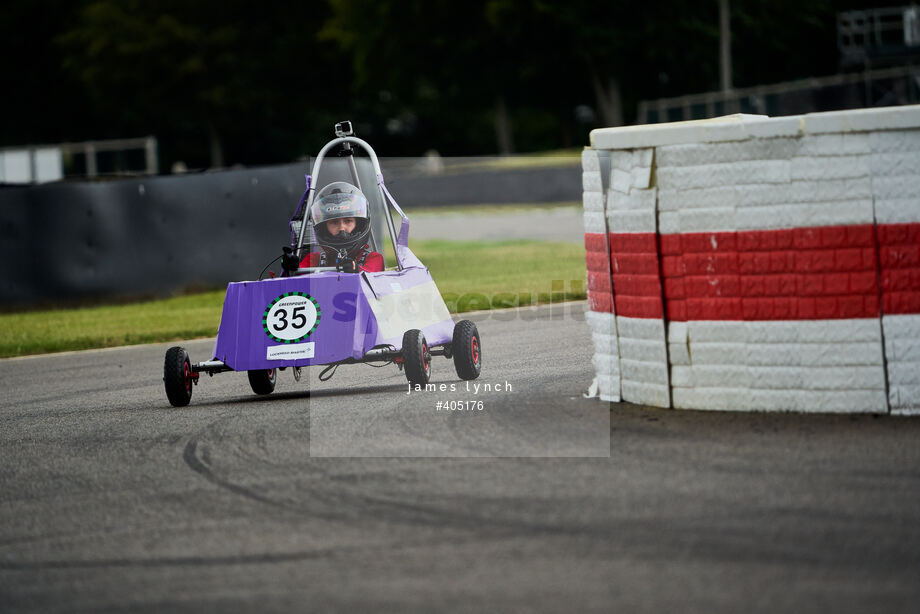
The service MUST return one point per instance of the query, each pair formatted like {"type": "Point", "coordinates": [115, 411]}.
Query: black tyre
{"type": "Point", "coordinates": [262, 381]}
{"type": "Point", "coordinates": [467, 350]}
{"type": "Point", "coordinates": [177, 376]}
{"type": "Point", "coordinates": [416, 357]}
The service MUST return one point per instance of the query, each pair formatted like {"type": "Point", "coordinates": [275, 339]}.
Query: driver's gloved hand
{"type": "Point", "coordinates": [289, 261]}
{"type": "Point", "coordinates": [347, 265]}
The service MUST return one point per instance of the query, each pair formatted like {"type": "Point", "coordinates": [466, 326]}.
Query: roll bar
{"type": "Point", "coordinates": [385, 198]}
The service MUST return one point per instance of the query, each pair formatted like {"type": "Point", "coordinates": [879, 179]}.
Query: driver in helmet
{"type": "Point", "coordinates": [343, 230]}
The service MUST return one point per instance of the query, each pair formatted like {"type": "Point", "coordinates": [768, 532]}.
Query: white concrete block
{"type": "Point", "coordinates": [733, 174]}
{"type": "Point", "coordinates": [797, 215]}
{"type": "Point", "coordinates": [714, 153]}
{"type": "Point", "coordinates": [621, 159]}
{"type": "Point", "coordinates": [845, 144]}
{"type": "Point", "coordinates": [717, 353]}
{"type": "Point", "coordinates": [646, 394]}
{"type": "Point", "coordinates": [641, 328]}
{"type": "Point", "coordinates": [754, 195]}
{"type": "Point", "coordinates": [776, 400]}
{"type": "Point", "coordinates": [898, 211]}
{"type": "Point", "coordinates": [900, 187]}
{"type": "Point", "coordinates": [698, 198]}
{"type": "Point", "coordinates": [702, 331]}
{"type": "Point", "coordinates": [722, 399]}
{"type": "Point", "coordinates": [710, 376]}
{"type": "Point", "coordinates": [806, 191]}
{"type": "Point", "coordinates": [895, 141]}
{"type": "Point", "coordinates": [904, 400]}
{"type": "Point", "coordinates": [736, 127]}
{"type": "Point", "coordinates": [853, 401]}
{"type": "Point", "coordinates": [863, 120]}
{"type": "Point", "coordinates": [644, 157]}
{"type": "Point", "coordinates": [590, 160]}
{"type": "Point", "coordinates": [640, 371]}
{"type": "Point", "coordinates": [682, 376]}
{"type": "Point", "coordinates": [605, 344]}
{"type": "Point", "coordinates": [904, 373]}
{"type": "Point", "coordinates": [631, 221]}
{"type": "Point", "coordinates": [901, 326]}
{"type": "Point", "coordinates": [606, 364]}
{"type": "Point", "coordinates": [707, 220]}
{"type": "Point", "coordinates": [646, 350]}
{"type": "Point", "coordinates": [595, 222]}
{"type": "Point", "coordinates": [893, 164]}
{"type": "Point", "coordinates": [593, 201]}
{"type": "Point", "coordinates": [620, 180]}
{"type": "Point", "coordinates": [679, 353]}
{"type": "Point", "coordinates": [850, 401]}
{"type": "Point", "coordinates": [812, 331]}
{"type": "Point", "coordinates": [837, 167]}
{"type": "Point", "coordinates": [641, 177]}
{"type": "Point", "coordinates": [604, 323]}
{"type": "Point", "coordinates": [907, 350]}
{"type": "Point", "coordinates": [669, 222]}
{"type": "Point", "coordinates": [677, 332]}
{"type": "Point", "coordinates": [591, 181]}
{"type": "Point", "coordinates": [763, 127]}
{"type": "Point", "coordinates": [818, 378]}
{"type": "Point", "coordinates": [811, 354]}
{"type": "Point", "coordinates": [635, 200]}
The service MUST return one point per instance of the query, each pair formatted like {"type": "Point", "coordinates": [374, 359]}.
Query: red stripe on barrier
{"type": "Point", "coordinates": [636, 276]}
{"type": "Point", "coordinates": [595, 242]}
{"type": "Point", "coordinates": [790, 274]}
{"type": "Point", "coordinates": [899, 260]}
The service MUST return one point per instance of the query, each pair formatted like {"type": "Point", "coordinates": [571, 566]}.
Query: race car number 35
{"type": "Point", "coordinates": [291, 317]}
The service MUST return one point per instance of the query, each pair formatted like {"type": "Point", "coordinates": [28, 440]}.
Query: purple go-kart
{"type": "Point", "coordinates": [319, 316]}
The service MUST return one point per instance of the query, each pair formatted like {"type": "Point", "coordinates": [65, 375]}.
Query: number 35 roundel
{"type": "Point", "coordinates": [291, 317]}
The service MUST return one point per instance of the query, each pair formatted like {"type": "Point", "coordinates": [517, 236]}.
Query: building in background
{"type": "Point", "coordinates": [88, 159]}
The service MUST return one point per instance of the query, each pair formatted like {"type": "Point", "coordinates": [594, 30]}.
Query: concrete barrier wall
{"type": "Point", "coordinates": [77, 241]}
{"type": "Point", "coordinates": [763, 263]}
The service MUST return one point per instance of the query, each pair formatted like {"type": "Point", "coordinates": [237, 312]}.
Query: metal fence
{"type": "Point", "coordinates": [899, 85]}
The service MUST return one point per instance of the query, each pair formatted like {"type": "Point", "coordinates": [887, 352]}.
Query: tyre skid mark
{"type": "Point", "coordinates": [355, 505]}
{"type": "Point", "coordinates": [172, 561]}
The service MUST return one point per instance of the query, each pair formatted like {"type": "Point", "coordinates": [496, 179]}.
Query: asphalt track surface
{"type": "Point", "coordinates": [113, 500]}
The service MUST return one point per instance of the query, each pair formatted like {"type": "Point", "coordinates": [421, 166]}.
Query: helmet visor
{"type": "Point", "coordinates": [337, 205]}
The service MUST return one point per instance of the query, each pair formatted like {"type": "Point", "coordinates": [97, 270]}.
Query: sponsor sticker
{"type": "Point", "coordinates": [290, 352]}
{"type": "Point", "coordinates": [291, 317]}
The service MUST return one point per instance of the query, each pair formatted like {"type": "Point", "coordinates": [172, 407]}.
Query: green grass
{"type": "Point", "coordinates": [470, 276]}
{"type": "Point", "coordinates": [491, 209]}
{"type": "Point", "coordinates": [562, 157]}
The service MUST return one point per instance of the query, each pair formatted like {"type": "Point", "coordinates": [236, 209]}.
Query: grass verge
{"type": "Point", "coordinates": [470, 276]}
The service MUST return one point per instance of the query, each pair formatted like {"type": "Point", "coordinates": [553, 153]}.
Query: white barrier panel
{"type": "Point", "coordinates": [762, 263]}
{"type": "Point", "coordinates": [600, 318]}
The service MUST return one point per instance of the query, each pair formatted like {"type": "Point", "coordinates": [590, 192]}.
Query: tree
{"type": "Point", "coordinates": [197, 71]}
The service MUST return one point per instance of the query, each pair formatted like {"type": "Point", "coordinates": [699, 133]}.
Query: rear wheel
{"type": "Point", "coordinates": [263, 381]}
{"type": "Point", "coordinates": [177, 376]}
{"type": "Point", "coordinates": [467, 350]}
{"type": "Point", "coordinates": [416, 357]}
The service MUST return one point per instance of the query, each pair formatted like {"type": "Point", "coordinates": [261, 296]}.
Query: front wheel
{"type": "Point", "coordinates": [416, 357]}
{"type": "Point", "coordinates": [263, 381]}
{"type": "Point", "coordinates": [467, 350]}
{"type": "Point", "coordinates": [178, 376]}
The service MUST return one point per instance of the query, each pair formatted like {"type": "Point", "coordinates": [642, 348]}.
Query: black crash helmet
{"type": "Point", "coordinates": [338, 200]}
